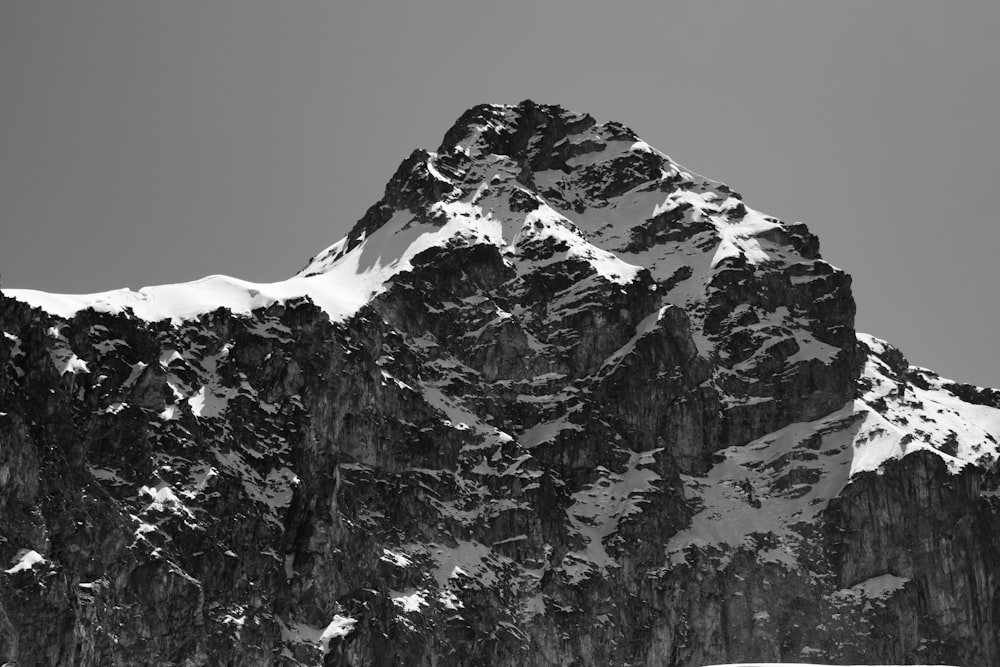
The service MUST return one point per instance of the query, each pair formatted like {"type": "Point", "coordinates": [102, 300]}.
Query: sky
{"type": "Point", "coordinates": [144, 143]}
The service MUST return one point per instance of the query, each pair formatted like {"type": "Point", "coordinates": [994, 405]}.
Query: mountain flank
{"type": "Point", "coordinates": [553, 400]}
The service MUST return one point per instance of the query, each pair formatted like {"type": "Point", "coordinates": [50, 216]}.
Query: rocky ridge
{"type": "Point", "coordinates": [553, 400]}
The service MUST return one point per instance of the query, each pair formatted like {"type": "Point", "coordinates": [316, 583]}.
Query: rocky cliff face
{"type": "Point", "coordinates": [554, 400]}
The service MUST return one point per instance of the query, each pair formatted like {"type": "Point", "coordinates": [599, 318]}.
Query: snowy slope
{"type": "Point", "coordinates": [340, 294]}
{"type": "Point", "coordinates": [782, 482]}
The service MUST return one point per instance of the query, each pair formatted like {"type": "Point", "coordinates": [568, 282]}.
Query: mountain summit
{"type": "Point", "coordinates": [554, 399]}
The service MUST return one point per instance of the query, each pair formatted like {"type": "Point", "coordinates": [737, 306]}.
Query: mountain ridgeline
{"type": "Point", "coordinates": [554, 400]}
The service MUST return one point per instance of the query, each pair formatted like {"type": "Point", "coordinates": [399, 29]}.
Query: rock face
{"type": "Point", "coordinates": [583, 407]}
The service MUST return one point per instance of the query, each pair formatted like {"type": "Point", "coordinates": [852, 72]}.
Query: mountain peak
{"type": "Point", "coordinates": [504, 129]}
{"type": "Point", "coordinates": [528, 137]}
{"type": "Point", "coordinates": [538, 182]}
{"type": "Point", "coordinates": [554, 399]}
{"type": "Point", "coordinates": [506, 173]}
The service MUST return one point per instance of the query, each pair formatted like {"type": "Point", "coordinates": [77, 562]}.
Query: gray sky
{"type": "Point", "coordinates": [154, 142]}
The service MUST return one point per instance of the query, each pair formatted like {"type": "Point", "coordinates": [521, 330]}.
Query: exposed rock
{"type": "Point", "coordinates": [594, 409]}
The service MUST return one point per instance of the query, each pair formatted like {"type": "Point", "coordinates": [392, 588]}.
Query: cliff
{"type": "Point", "coordinates": [554, 400]}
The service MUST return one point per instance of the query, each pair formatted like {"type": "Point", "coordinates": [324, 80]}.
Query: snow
{"type": "Point", "coordinates": [212, 398]}
{"type": "Point", "coordinates": [105, 475]}
{"type": "Point", "coordinates": [545, 223]}
{"type": "Point", "coordinates": [607, 152]}
{"type": "Point", "coordinates": [641, 147]}
{"type": "Point", "coordinates": [449, 600]}
{"type": "Point", "coordinates": [396, 558]}
{"type": "Point", "coordinates": [479, 212]}
{"type": "Point", "coordinates": [237, 617]}
{"type": "Point", "coordinates": [275, 490]}
{"type": "Point", "coordinates": [878, 443]}
{"type": "Point", "coordinates": [337, 294]}
{"type": "Point", "coordinates": [169, 413]}
{"type": "Point", "coordinates": [546, 432]}
{"type": "Point", "coordinates": [137, 369]}
{"type": "Point", "coordinates": [739, 238]}
{"type": "Point", "coordinates": [16, 352]}
{"type": "Point", "coordinates": [757, 473]}
{"type": "Point", "coordinates": [810, 348]}
{"type": "Point", "coordinates": [63, 358]}
{"type": "Point", "coordinates": [303, 633]}
{"type": "Point", "coordinates": [647, 325]}
{"type": "Point", "coordinates": [340, 284]}
{"type": "Point", "coordinates": [598, 509]}
{"type": "Point", "coordinates": [340, 626]}
{"type": "Point", "coordinates": [26, 559]}
{"type": "Point", "coordinates": [410, 602]}
{"type": "Point", "coordinates": [164, 499]}
{"type": "Point", "coordinates": [209, 402]}
{"type": "Point", "coordinates": [793, 473]}
{"type": "Point", "coordinates": [881, 586]}
{"type": "Point", "coordinates": [927, 418]}
{"type": "Point", "coordinates": [459, 417]}
{"type": "Point", "coordinates": [168, 356]}
{"type": "Point", "coordinates": [746, 494]}
{"type": "Point", "coordinates": [464, 558]}
{"type": "Point", "coordinates": [432, 168]}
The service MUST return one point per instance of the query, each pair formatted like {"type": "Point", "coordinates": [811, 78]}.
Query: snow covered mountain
{"type": "Point", "coordinates": [553, 400]}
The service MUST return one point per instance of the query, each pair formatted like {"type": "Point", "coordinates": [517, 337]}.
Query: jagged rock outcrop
{"type": "Point", "coordinates": [553, 400]}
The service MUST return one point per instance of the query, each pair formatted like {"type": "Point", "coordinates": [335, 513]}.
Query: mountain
{"type": "Point", "coordinates": [554, 400]}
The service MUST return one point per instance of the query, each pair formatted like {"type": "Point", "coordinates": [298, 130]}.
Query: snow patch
{"type": "Point", "coordinates": [599, 508]}
{"type": "Point", "coordinates": [880, 587]}
{"type": "Point", "coordinates": [740, 238]}
{"type": "Point", "coordinates": [755, 489]}
{"type": "Point", "coordinates": [546, 432]}
{"type": "Point", "coordinates": [546, 223]}
{"type": "Point", "coordinates": [63, 358]}
{"type": "Point", "coordinates": [396, 558]}
{"type": "Point", "coordinates": [303, 633]}
{"type": "Point", "coordinates": [26, 559]}
{"type": "Point", "coordinates": [410, 602]}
